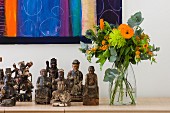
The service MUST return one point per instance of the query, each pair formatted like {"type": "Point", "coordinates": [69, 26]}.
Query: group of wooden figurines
{"type": "Point", "coordinates": [51, 85]}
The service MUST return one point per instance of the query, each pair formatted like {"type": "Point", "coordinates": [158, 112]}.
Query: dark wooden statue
{"type": "Point", "coordinates": [43, 91]}
{"type": "Point", "coordinates": [91, 91]}
{"type": "Point", "coordinates": [23, 79]}
{"type": "Point", "coordinates": [74, 82]}
{"type": "Point", "coordinates": [52, 70]}
{"type": "Point", "coordinates": [8, 94]}
{"type": "Point", "coordinates": [61, 97]}
{"type": "Point", "coordinates": [1, 78]}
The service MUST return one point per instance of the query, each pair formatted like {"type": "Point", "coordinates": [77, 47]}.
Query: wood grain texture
{"type": "Point", "coordinates": [144, 105]}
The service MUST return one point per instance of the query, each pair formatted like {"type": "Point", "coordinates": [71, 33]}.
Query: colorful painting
{"type": "Point", "coordinates": [53, 21]}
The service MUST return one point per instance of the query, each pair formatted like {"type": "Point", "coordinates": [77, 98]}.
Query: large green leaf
{"type": "Point", "coordinates": [113, 51]}
{"type": "Point", "coordinates": [135, 19]}
{"type": "Point", "coordinates": [127, 50]}
{"type": "Point", "coordinates": [110, 75]}
{"type": "Point", "coordinates": [112, 58]}
{"type": "Point", "coordinates": [106, 53]}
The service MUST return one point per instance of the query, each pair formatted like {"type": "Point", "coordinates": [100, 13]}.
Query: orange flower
{"type": "Point", "coordinates": [137, 38]}
{"type": "Point", "coordinates": [103, 42]}
{"type": "Point", "coordinates": [101, 24]}
{"type": "Point", "coordinates": [104, 47]}
{"type": "Point", "coordinates": [88, 51]}
{"type": "Point", "coordinates": [126, 31]}
{"type": "Point", "coordinates": [137, 52]}
{"type": "Point", "coordinates": [93, 49]}
{"type": "Point", "coordinates": [150, 53]}
{"type": "Point", "coordinates": [137, 56]}
{"type": "Point", "coordinates": [137, 48]}
{"type": "Point", "coordinates": [106, 37]}
{"type": "Point", "coordinates": [145, 46]}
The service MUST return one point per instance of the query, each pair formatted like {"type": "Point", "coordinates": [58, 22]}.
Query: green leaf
{"type": "Point", "coordinates": [112, 58]}
{"type": "Point", "coordinates": [134, 40]}
{"type": "Point", "coordinates": [83, 45]}
{"type": "Point", "coordinates": [127, 50]}
{"type": "Point", "coordinates": [101, 61]}
{"type": "Point", "coordinates": [90, 35]}
{"type": "Point", "coordinates": [157, 49]}
{"type": "Point", "coordinates": [110, 75]}
{"type": "Point", "coordinates": [106, 54]}
{"type": "Point", "coordinates": [113, 51]}
{"type": "Point", "coordinates": [135, 19]}
{"type": "Point", "coordinates": [107, 25]}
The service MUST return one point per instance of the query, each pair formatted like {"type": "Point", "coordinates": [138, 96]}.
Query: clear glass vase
{"type": "Point", "coordinates": [123, 89]}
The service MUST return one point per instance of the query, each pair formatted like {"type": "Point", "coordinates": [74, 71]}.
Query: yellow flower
{"type": "Point", "coordinates": [88, 51]}
{"type": "Point", "coordinates": [138, 56]}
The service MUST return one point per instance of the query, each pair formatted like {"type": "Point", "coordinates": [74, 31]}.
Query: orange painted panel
{"type": "Point", "coordinates": [11, 17]}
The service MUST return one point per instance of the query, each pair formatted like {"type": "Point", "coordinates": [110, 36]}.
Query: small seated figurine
{"type": "Point", "coordinates": [8, 94]}
{"type": "Point", "coordinates": [74, 82]}
{"type": "Point", "coordinates": [43, 91]}
{"type": "Point", "coordinates": [60, 97]}
{"type": "Point", "coordinates": [91, 91]}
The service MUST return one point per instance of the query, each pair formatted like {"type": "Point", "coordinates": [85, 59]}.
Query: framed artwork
{"type": "Point", "coordinates": [53, 21]}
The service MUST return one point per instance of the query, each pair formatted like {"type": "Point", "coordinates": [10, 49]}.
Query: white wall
{"type": "Point", "coordinates": [152, 80]}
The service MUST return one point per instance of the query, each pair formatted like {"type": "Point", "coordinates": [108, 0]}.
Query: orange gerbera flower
{"type": "Point", "coordinates": [126, 31]}
{"type": "Point", "coordinates": [101, 24]}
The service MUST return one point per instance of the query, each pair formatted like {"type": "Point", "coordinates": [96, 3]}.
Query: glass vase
{"type": "Point", "coordinates": [122, 90]}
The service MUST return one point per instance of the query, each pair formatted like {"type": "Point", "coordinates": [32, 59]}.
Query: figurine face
{"type": "Point", "coordinates": [75, 67]}
{"type": "Point", "coordinates": [61, 75]}
{"type": "Point", "coordinates": [22, 67]}
{"type": "Point", "coordinates": [91, 70]}
{"type": "Point", "coordinates": [43, 72]}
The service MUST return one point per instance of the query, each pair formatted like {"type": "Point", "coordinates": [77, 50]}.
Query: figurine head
{"type": "Point", "coordinates": [8, 72]}
{"type": "Point", "coordinates": [43, 72]}
{"type": "Point", "coordinates": [61, 74]}
{"type": "Point", "coordinates": [91, 69]}
{"type": "Point", "coordinates": [22, 65]}
{"type": "Point", "coordinates": [75, 65]}
{"type": "Point", "coordinates": [53, 63]}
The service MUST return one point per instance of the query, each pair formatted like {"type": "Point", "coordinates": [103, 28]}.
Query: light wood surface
{"type": "Point", "coordinates": [144, 105]}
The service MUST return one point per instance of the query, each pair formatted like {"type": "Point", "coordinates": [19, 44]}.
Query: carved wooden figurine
{"type": "Point", "coordinates": [1, 78]}
{"type": "Point", "coordinates": [43, 91]}
{"type": "Point", "coordinates": [52, 70]}
{"type": "Point", "coordinates": [23, 79]}
{"type": "Point", "coordinates": [61, 97]}
{"type": "Point", "coordinates": [74, 82]}
{"type": "Point", "coordinates": [8, 94]}
{"type": "Point", "coordinates": [91, 91]}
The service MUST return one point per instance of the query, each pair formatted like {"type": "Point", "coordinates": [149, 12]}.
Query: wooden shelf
{"type": "Point", "coordinates": [144, 105]}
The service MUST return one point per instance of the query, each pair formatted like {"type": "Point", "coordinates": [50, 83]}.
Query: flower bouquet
{"type": "Point", "coordinates": [121, 45]}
